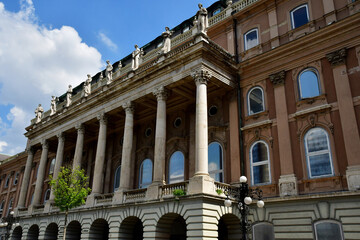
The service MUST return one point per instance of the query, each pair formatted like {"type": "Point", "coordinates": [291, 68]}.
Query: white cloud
{"type": "Point", "coordinates": [35, 63]}
{"type": "Point", "coordinates": [2, 145]}
{"type": "Point", "coordinates": [107, 41]}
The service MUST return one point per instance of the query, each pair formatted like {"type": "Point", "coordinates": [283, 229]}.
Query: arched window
{"type": "Point", "coordinates": [52, 166]}
{"type": "Point", "coordinates": [7, 181]}
{"type": "Point", "coordinates": [318, 154]}
{"type": "Point", "coordinates": [10, 206]}
{"type": "Point", "coordinates": [260, 163]}
{"type": "Point", "coordinates": [251, 39]}
{"type": "Point", "coordinates": [145, 175]}
{"type": "Point", "coordinates": [176, 167]}
{"type": "Point", "coordinates": [325, 230]}
{"type": "Point", "coordinates": [215, 161]}
{"type": "Point", "coordinates": [117, 178]}
{"type": "Point", "coordinates": [255, 100]}
{"type": "Point", "coordinates": [299, 16]}
{"type": "Point", "coordinates": [308, 81]}
{"type": "Point", "coordinates": [47, 195]}
{"type": "Point", "coordinates": [16, 178]}
{"type": "Point", "coordinates": [263, 231]}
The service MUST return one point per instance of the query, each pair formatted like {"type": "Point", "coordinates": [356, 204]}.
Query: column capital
{"type": "Point", "coordinates": [129, 107]}
{"type": "Point", "coordinates": [161, 93]}
{"type": "Point", "coordinates": [102, 118]}
{"type": "Point", "coordinates": [45, 144]}
{"type": "Point", "coordinates": [278, 78]}
{"type": "Point", "coordinates": [80, 128]}
{"type": "Point", "coordinates": [61, 136]}
{"type": "Point", "coordinates": [30, 150]}
{"type": "Point", "coordinates": [201, 76]}
{"type": "Point", "coordinates": [337, 57]}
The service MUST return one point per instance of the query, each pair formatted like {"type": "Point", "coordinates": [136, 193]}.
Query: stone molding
{"type": "Point", "coordinates": [201, 76]}
{"type": "Point", "coordinates": [337, 57]}
{"type": "Point", "coordinates": [278, 78]}
{"type": "Point", "coordinates": [161, 93]}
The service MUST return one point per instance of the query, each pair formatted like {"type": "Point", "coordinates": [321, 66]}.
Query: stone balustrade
{"type": "Point", "coordinates": [167, 190]}
{"type": "Point", "coordinates": [104, 198]}
{"type": "Point", "coordinates": [135, 195]}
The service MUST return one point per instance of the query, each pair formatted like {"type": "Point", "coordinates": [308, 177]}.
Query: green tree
{"type": "Point", "coordinates": [70, 190]}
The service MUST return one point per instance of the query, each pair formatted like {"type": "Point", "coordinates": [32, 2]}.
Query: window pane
{"type": "Point", "coordinates": [117, 178]}
{"type": "Point", "coordinates": [145, 173]}
{"type": "Point", "coordinates": [251, 39]}
{"type": "Point", "coordinates": [300, 17]}
{"type": "Point", "coordinates": [261, 174]}
{"type": "Point", "coordinates": [176, 168]}
{"type": "Point", "coordinates": [309, 84]}
{"type": "Point", "coordinates": [317, 140]}
{"type": "Point", "coordinates": [215, 161]}
{"type": "Point", "coordinates": [328, 230]}
{"type": "Point", "coordinates": [263, 232]}
{"type": "Point", "coordinates": [320, 165]}
{"type": "Point", "coordinates": [256, 101]}
{"type": "Point", "coordinates": [259, 153]}
{"type": "Point", "coordinates": [52, 166]}
{"type": "Point", "coordinates": [217, 176]}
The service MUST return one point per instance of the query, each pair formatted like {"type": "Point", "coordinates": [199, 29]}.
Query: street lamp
{"type": "Point", "coordinates": [8, 222]}
{"type": "Point", "coordinates": [244, 196]}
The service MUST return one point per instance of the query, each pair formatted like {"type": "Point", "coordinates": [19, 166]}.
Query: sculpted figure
{"type": "Point", "coordinates": [108, 72]}
{"type": "Point", "coordinates": [53, 105]}
{"type": "Point", "coordinates": [167, 41]}
{"type": "Point", "coordinates": [119, 66]}
{"type": "Point", "coordinates": [69, 96]}
{"type": "Point", "coordinates": [38, 113]}
{"type": "Point", "coordinates": [87, 86]}
{"type": "Point", "coordinates": [202, 18]}
{"type": "Point", "coordinates": [135, 58]}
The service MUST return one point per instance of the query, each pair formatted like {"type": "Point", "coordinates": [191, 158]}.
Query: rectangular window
{"type": "Point", "coordinates": [299, 16]}
{"type": "Point", "coordinates": [251, 39]}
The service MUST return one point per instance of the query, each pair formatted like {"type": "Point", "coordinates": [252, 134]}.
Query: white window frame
{"type": "Point", "coordinates": [299, 83]}
{"type": "Point", "coordinates": [222, 162]}
{"type": "Point", "coordinates": [259, 163]}
{"type": "Point", "coordinates": [245, 38]}
{"type": "Point", "coordinates": [52, 160]}
{"type": "Point", "coordinates": [141, 184]}
{"type": "Point", "coordinates": [328, 221]}
{"type": "Point", "coordinates": [318, 153]}
{"type": "Point", "coordinates": [292, 14]}
{"type": "Point", "coordinates": [176, 180]}
{"type": "Point", "coordinates": [118, 169]}
{"type": "Point", "coordinates": [248, 100]}
{"type": "Point", "coordinates": [262, 223]}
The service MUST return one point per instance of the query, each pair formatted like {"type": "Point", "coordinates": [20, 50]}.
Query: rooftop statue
{"type": "Point", "coordinates": [87, 86]}
{"type": "Point", "coordinates": [69, 96]}
{"type": "Point", "coordinates": [108, 72]}
{"type": "Point", "coordinates": [53, 105]}
{"type": "Point", "coordinates": [202, 19]}
{"type": "Point", "coordinates": [119, 66]}
{"type": "Point", "coordinates": [39, 113]}
{"type": "Point", "coordinates": [167, 41]}
{"type": "Point", "coordinates": [136, 54]}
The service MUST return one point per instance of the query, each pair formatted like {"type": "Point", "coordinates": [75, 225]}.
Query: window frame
{"type": "Point", "coordinates": [16, 179]}
{"type": "Point", "coordinates": [328, 221]}
{"type": "Point", "coordinates": [295, 9]}
{"type": "Point", "coordinates": [52, 166]}
{"type": "Point", "coordinates": [7, 181]}
{"type": "Point", "coordinates": [141, 184]}
{"type": "Point", "coordinates": [248, 100]}
{"type": "Point", "coordinates": [169, 165]}
{"type": "Point", "coordinates": [321, 152]}
{"type": "Point", "coordinates": [311, 69]}
{"type": "Point", "coordinates": [221, 170]}
{"type": "Point", "coordinates": [118, 169]}
{"type": "Point", "coordinates": [245, 38]}
{"type": "Point", "coordinates": [48, 191]}
{"type": "Point", "coordinates": [262, 223]}
{"type": "Point", "coordinates": [259, 163]}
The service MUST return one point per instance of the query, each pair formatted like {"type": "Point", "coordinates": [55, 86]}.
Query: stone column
{"type": "Point", "coordinates": [201, 182]}
{"type": "Point", "coordinates": [287, 181]}
{"type": "Point", "coordinates": [347, 116]}
{"type": "Point", "coordinates": [41, 173]}
{"type": "Point", "coordinates": [79, 145]}
{"type": "Point", "coordinates": [58, 161]}
{"type": "Point", "coordinates": [26, 177]}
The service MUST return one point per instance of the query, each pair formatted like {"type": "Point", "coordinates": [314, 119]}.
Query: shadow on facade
{"type": "Point", "coordinates": [229, 227]}
{"type": "Point", "coordinates": [17, 233]}
{"type": "Point", "coordinates": [73, 231]}
{"type": "Point", "coordinates": [51, 232]}
{"type": "Point", "coordinates": [99, 230]}
{"type": "Point", "coordinates": [131, 229]}
{"type": "Point", "coordinates": [171, 226]}
{"type": "Point", "coordinates": [33, 233]}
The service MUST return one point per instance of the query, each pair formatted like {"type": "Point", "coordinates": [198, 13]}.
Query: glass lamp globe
{"type": "Point", "coordinates": [1, 225]}
{"type": "Point", "coordinates": [243, 179]}
{"type": "Point", "coordinates": [248, 200]}
{"type": "Point", "coordinates": [5, 224]}
{"type": "Point", "coordinates": [17, 224]}
{"type": "Point", "coordinates": [12, 213]}
{"type": "Point", "coordinates": [227, 203]}
{"type": "Point", "coordinates": [260, 204]}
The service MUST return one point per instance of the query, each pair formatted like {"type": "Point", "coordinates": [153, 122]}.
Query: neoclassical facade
{"type": "Point", "coordinates": [269, 90]}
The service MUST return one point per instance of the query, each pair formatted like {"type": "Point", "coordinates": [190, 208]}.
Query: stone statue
{"type": "Point", "coordinates": [87, 86]}
{"type": "Point", "coordinates": [69, 96]}
{"type": "Point", "coordinates": [108, 72]}
{"type": "Point", "coordinates": [167, 41]}
{"type": "Point", "coordinates": [39, 113]}
{"type": "Point", "coordinates": [53, 105]}
{"type": "Point", "coordinates": [119, 66]}
{"type": "Point", "coordinates": [202, 18]}
{"type": "Point", "coordinates": [136, 57]}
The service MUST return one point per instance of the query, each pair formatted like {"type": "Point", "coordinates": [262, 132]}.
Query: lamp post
{"type": "Point", "coordinates": [8, 222]}
{"type": "Point", "coordinates": [244, 196]}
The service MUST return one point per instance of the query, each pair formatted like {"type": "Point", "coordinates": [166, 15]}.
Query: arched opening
{"type": "Point", "coordinates": [99, 230]}
{"type": "Point", "coordinates": [73, 231]}
{"type": "Point", "coordinates": [17, 233]}
{"type": "Point", "coordinates": [132, 229]}
{"type": "Point", "coordinates": [229, 227]}
{"type": "Point", "coordinates": [51, 232]}
{"type": "Point", "coordinates": [33, 233]}
{"type": "Point", "coordinates": [171, 226]}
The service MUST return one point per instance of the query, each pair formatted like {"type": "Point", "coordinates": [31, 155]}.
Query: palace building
{"type": "Point", "coordinates": [269, 89]}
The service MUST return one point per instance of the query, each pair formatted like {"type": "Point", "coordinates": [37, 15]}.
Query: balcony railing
{"type": "Point", "coordinates": [104, 198]}
{"type": "Point", "coordinates": [167, 190]}
{"type": "Point", "coordinates": [134, 195]}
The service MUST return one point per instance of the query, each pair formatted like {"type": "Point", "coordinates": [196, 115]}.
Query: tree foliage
{"type": "Point", "coordinates": [70, 188]}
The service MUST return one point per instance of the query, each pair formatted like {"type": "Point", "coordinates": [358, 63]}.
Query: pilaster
{"type": "Point", "coordinates": [26, 178]}
{"type": "Point", "coordinates": [41, 173]}
{"type": "Point", "coordinates": [79, 145]}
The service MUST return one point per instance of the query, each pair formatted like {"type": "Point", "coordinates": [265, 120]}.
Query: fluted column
{"type": "Point", "coordinates": [127, 147]}
{"type": "Point", "coordinates": [79, 145]}
{"type": "Point", "coordinates": [59, 160]}
{"type": "Point", "coordinates": [100, 155]}
{"type": "Point", "coordinates": [26, 178]}
{"type": "Point", "coordinates": [160, 136]}
{"type": "Point", "coordinates": [41, 173]}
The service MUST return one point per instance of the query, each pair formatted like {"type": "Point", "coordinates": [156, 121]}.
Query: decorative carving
{"type": "Point", "coordinates": [39, 113]}
{"type": "Point", "coordinates": [287, 188]}
{"type": "Point", "coordinates": [201, 76]}
{"type": "Point", "coordinates": [80, 128]}
{"type": "Point", "coordinates": [69, 96]}
{"type": "Point", "coordinates": [278, 78]}
{"type": "Point", "coordinates": [53, 105]}
{"type": "Point", "coordinates": [45, 144]}
{"type": "Point", "coordinates": [87, 86]}
{"type": "Point", "coordinates": [102, 118]}
{"type": "Point", "coordinates": [312, 120]}
{"type": "Point", "coordinates": [161, 93]}
{"type": "Point", "coordinates": [167, 41]}
{"type": "Point", "coordinates": [271, 140]}
{"type": "Point", "coordinates": [337, 58]}
{"type": "Point", "coordinates": [108, 72]}
{"type": "Point", "coordinates": [61, 136]}
{"type": "Point", "coordinates": [129, 107]}
{"type": "Point", "coordinates": [202, 19]}
{"type": "Point", "coordinates": [257, 134]}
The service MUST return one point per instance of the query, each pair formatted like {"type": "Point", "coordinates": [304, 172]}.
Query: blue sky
{"type": "Point", "coordinates": [47, 44]}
